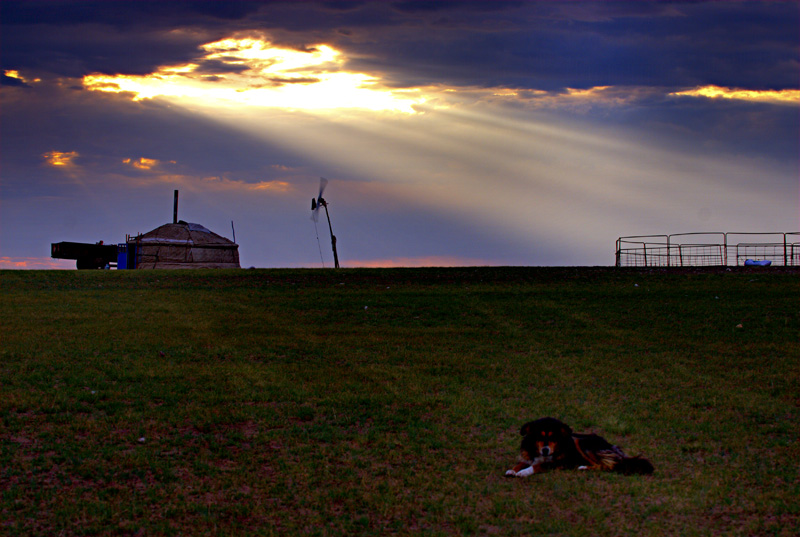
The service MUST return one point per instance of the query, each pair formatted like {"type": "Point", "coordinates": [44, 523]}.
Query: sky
{"type": "Point", "coordinates": [451, 133]}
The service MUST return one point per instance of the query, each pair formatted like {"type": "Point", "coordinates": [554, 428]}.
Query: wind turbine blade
{"type": "Point", "coordinates": [322, 184]}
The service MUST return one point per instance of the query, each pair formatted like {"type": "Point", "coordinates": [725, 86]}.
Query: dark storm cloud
{"type": "Point", "coordinates": [219, 67]}
{"type": "Point", "coordinates": [556, 45]}
{"type": "Point", "coordinates": [540, 45]}
{"type": "Point", "coordinates": [124, 14]}
{"type": "Point", "coordinates": [77, 38]}
{"type": "Point", "coordinates": [76, 51]}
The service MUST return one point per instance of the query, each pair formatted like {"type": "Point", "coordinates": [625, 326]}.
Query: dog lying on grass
{"type": "Point", "coordinates": [548, 443]}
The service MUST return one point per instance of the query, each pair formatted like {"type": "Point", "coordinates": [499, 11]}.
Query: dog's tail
{"type": "Point", "coordinates": [634, 465]}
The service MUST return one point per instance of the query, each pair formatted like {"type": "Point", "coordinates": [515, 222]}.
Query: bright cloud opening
{"type": "Point", "coordinates": [14, 74]}
{"type": "Point", "coordinates": [790, 97]}
{"type": "Point", "coordinates": [61, 159]}
{"type": "Point", "coordinates": [252, 72]}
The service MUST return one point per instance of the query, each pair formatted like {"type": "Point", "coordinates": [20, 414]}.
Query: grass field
{"type": "Point", "coordinates": [388, 402]}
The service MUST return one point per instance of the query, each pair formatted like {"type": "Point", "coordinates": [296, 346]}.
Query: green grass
{"type": "Point", "coordinates": [380, 402]}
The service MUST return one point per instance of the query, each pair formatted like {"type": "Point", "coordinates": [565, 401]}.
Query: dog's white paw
{"type": "Point", "coordinates": [525, 472]}
{"type": "Point", "coordinates": [583, 467]}
{"type": "Point", "coordinates": [511, 473]}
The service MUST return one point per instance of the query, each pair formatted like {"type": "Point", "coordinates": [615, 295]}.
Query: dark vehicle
{"type": "Point", "coordinates": [88, 256]}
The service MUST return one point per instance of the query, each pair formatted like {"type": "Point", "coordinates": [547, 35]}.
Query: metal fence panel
{"type": "Point", "coordinates": [708, 249]}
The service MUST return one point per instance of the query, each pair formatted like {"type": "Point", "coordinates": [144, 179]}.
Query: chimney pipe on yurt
{"type": "Point", "coordinates": [175, 209]}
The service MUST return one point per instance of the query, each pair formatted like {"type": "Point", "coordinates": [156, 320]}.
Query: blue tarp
{"type": "Point", "coordinates": [757, 263]}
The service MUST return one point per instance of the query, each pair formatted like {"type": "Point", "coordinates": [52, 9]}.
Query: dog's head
{"type": "Point", "coordinates": [545, 439]}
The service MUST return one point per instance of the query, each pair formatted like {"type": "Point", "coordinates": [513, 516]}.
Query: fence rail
{"type": "Point", "coordinates": [708, 249]}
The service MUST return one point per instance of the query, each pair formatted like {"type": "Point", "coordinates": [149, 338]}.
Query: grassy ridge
{"type": "Point", "coordinates": [375, 402]}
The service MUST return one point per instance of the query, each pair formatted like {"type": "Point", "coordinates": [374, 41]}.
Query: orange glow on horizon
{"type": "Point", "coordinates": [35, 263]}
{"type": "Point", "coordinates": [408, 262]}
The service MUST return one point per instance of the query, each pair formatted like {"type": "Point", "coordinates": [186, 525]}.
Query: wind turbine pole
{"type": "Point", "coordinates": [333, 237]}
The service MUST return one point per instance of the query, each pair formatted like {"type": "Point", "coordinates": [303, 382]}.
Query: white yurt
{"type": "Point", "coordinates": [182, 245]}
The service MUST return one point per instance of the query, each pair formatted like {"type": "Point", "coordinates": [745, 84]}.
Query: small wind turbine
{"type": "Point", "coordinates": [318, 202]}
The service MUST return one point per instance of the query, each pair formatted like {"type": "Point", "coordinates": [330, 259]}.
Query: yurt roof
{"type": "Point", "coordinates": [184, 233]}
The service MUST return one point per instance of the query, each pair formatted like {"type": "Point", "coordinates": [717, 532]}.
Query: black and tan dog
{"type": "Point", "coordinates": [548, 443]}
